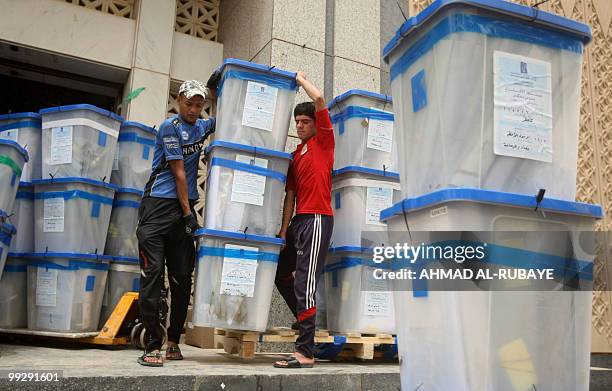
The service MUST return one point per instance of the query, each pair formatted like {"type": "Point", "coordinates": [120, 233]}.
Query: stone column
{"type": "Point", "coordinates": [151, 62]}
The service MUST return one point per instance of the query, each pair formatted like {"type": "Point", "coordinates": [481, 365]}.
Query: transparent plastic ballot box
{"type": "Point", "coordinates": [357, 302]}
{"type": "Point", "coordinates": [359, 194]}
{"type": "Point", "coordinates": [123, 276]}
{"type": "Point", "coordinates": [234, 279]}
{"type": "Point", "coordinates": [65, 291]}
{"type": "Point", "coordinates": [13, 157]}
{"type": "Point", "coordinates": [72, 215]}
{"type": "Point", "coordinates": [134, 155]}
{"type": "Point", "coordinates": [7, 231]}
{"type": "Point", "coordinates": [487, 95]}
{"type": "Point", "coordinates": [121, 239]}
{"type": "Point", "coordinates": [22, 218]}
{"type": "Point", "coordinates": [254, 104]}
{"type": "Point", "coordinates": [363, 130]}
{"type": "Point", "coordinates": [25, 129]}
{"type": "Point", "coordinates": [13, 292]}
{"type": "Point", "coordinates": [245, 187]}
{"type": "Point", "coordinates": [501, 333]}
{"type": "Point", "coordinates": [79, 141]}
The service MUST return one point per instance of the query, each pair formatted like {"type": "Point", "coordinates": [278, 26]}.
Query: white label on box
{"type": "Point", "coordinates": [53, 215]}
{"type": "Point", "coordinates": [439, 211]}
{"type": "Point", "coordinates": [53, 318]}
{"type": "Point", "coordinates": [377, 297]}
{"type": "Point", "coordinates": [249, 188]}
{"type": "Point", "coordinates": [116, 159]}
{"type": "Point", "coordinates": [46, 287]}
{"type": "Point", "coordinates": [377, 199]}
{"type": "Point", "coordinates": [380, 135]}
{"type": "Point", "coordinates": [61, 145]}
{"type": "Point", "coordinates": [377, 304]}
{"type": "Point", "coordinates": [523, 107]}
{"type": "Point", "coordinates": [259, 106]}
{"type": "Point", "coordinates": [12, 134]}
{"type": "Point", "coordinates": [238, 274]}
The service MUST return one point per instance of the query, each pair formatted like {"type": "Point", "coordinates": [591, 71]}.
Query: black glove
{"type": "Point", "coordinates": [214, 79]}
{"type": "Point", "coordinates": [191, 224]}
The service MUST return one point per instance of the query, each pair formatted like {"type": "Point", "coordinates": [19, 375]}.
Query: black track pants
{"type": "Point", "coordinates": [308, 238]}
{"type": "Point", "coordinates": [162, 241]}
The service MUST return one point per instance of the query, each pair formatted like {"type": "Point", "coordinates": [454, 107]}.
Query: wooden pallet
{"type": "Point", "coordinates": [350, 345]}
{"type": "Point", "coordinates": [125, 310]}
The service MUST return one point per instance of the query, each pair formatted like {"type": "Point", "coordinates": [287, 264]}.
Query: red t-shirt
{"type": "Point", "coordinates": [310, 171]}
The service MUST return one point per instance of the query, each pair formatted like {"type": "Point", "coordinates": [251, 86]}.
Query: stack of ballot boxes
{"type": "Point", "coordinates": [131, 170]}
{"type": "Point", "coordinates": [247, 171]}
{"type": "Point", "coordinates": [487, 94]}
{"type": "Point", "coordinates": [364, 182]}
{"type": "Point", "coordinates": [72, 203]}
{"type": "Point", "coordinates": [20, 142]}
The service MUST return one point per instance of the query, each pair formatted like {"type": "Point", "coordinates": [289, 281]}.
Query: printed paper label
{"type": "Point", "coordinates": [238, 274]}
{"type": "Point", "coordinates": [61, 145]}
{"type": "Point", "coordinates": [259, 106]}
{"type": "Point", "coordinates": [377, 297]}
{"type": "Point", "coordinates": [380, 135]}
{"type": "Point", "coordinates": [247, 187]}
{"type": "Point", "coordinates": [377, 304]}
{"type": "Point", "coordinates": [46, 287]}
{"type": "Point", "coordinates": [523, 107]}
{"type": "Point", "coordinates": [377, 199]}
{"type": "Point", "coordinates": [53, 215]}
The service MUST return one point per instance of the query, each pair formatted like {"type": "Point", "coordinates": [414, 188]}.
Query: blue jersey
{"type": "Point", "coordinates": [177, 140]}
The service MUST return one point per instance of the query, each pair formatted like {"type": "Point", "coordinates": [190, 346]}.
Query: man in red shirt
{"type": "Point", "coordinates": [307, 236]}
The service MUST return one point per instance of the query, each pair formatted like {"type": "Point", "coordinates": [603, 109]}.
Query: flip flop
{"type": "Point", "coordinates": [292, 363]}
{"type": "Point", "coordinates": [141, 360]}
{"type": "Point", "coordinates": [174, 350]}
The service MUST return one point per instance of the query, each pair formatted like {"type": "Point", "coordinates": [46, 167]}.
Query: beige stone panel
{"type": "Point", "coordinates": [300, 22]}
{"type": "Point", "coordinates": [350, 75]}
{"type": "Point", "coordinates": [294, 58]}
{"type": "Point", "coordinates": [194, 58]}
{"type": "Point", "coordinates": [245, 27]}
{"type": "Point", "coordinates": [69, 30]}
{"type": "Point", "coordinates": [154, 31]}
{"type": "Point", "coordinates": [357, 31]}
{"type": "Point", "coordinates": [150, 106]}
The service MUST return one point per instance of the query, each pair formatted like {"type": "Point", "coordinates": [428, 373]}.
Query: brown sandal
{"type": "Point", "coordinates": [175, 353]}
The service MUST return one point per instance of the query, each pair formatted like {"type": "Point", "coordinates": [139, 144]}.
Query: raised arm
{"type": "Point", "coordinates": [312, 91]}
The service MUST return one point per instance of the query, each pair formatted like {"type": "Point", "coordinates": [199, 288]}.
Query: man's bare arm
{"type": "Point", "coordinates": [178, 170]}
{"type": "Point", "coordinates": [312, 91]}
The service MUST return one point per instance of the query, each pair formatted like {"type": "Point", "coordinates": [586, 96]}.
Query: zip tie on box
{"type": "Point", "coordinates": [539, 198]}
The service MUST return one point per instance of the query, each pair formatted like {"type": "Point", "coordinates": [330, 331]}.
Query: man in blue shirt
{"type": "Point", "coordinates": [166, 220]}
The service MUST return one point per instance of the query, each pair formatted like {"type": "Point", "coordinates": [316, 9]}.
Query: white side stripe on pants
{"type": "Point", "coordinates": [312, 263]}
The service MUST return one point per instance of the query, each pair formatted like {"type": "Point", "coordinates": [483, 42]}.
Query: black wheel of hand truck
{"type": "Point", "coordinates": [143, 336]}
{"type": "Point", "coordinates": [135, 335]}
{"type": "Point", "coordinates": [138, 335]}
{"type": "Point", "coordinates": [138, 332]}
